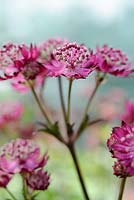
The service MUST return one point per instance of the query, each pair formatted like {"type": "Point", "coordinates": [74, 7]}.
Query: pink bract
{"type": "Point", "coordinates": [21, 155]}
{"type": "Point", "coordinates": [113, 61]}
{"type": "Point", "coordinates": [121, 146]}
{"type": "Point", "coordinates": [28, 65]}
{"type": "Point", "coordinates": [20, 84]}
{"type": "Point", "coordinates": [4, 178]}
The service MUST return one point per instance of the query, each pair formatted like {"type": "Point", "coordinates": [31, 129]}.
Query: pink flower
{"type": "Point", "coordinates": [46, 48]}
{"type": "Point", "coordinates": [8, 54]}
{"type": "Point", "coordinates": [21, 155]}
{"type": "Point", "coordinates": [21, 63]}
{"type": "Point", "coordinates": [112, 61]}
{"type": "Point", "coordinates": [75, 61]}
{"type": "Point", "coordinates": [47, 58]}
{"type": "Point", "coordinates": [10, 112]}
{"type": "Point", "coordinates": [19, 83]}
{"type": "Point", "coordinates": [28, 64]}
{"type": "Point", "coordinates": [4, 178]}
{"type": "Point", "coordinates": [128, 115]}
{"type": "Point", "coordinates": [121, 146]}
{"type": "Point", "coordinates": [38, 180]}
{"type": "Point", "coordinates": [15, 59]}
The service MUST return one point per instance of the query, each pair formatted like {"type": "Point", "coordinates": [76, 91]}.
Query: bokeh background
{"type": "Point", "coordinates": [92, 23]}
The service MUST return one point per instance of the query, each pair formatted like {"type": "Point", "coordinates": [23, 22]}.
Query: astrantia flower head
{"type": "Point", "coordinates": [21, 155]}
{"type": "Point", "coordinates": [28, 62]}
{"type": "Point", "coordinates": [21, 64]}
{"type": "Point", "coordinates": [76, 60]}
{"type": "Point", "coordinates": [46, 48]}
{"type": "Point", "coordinates": [121, 146]}
{"type": "Point", "coordinates": [128, 115]}
{"type": "Point", "coordinates": [22, 59]}
{"type": "Point", "coordinates": [10, 112]}
{"type": "Point", "coordinates": [47, 58]}
{"type": "Point", "coordinates": [112, 61]}
{"type": "Point", "coordinates": [38, 180]}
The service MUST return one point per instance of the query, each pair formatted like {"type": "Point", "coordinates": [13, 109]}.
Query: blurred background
{"type": "Point", "coordinates": [92, 23]}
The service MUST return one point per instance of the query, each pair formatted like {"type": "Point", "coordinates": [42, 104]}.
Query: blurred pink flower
{"type": "Point", "coordinates": [121, 146]}
{"type": "Point", "coordinates": [128, 115]}
{"type": "Point", "coordinates": [19, 83]}
{"type": "Point", "coordinates": [47, 58]}
{"type": "Point", "coordinates": [21, 155]}
{"type": "Point", "coordinates": [38, 180]}
{"type": "Point", "coordinates": [76, 61]}
{"type": "Point", "coordinates": [20, 58]}
{"type": "Point", "coordinates": [21, 63]}
{"type": "Point", "coordinates": [10, 112]}
{"type": "Point", "coordinates": [46, 48]}
{"type": "Point", "coordinates": [27, 131]}
{"type": "Point", "coordinates": [109, 105]}
{"type": "Point", "coordinates": [112, 61]}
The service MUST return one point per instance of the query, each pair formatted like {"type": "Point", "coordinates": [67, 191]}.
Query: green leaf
{"type": "Point", "coordinates": [16, 186]}
{"type": "Point", "coordinates": [53, 129]}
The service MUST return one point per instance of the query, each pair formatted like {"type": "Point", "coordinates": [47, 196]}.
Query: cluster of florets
{"type": "Point", "coordinates": [24, 157]}
{"type": "Point", "coordinates": [46, 48]}
{"type": "Point", "coordinates": [76, 60]}
{"type": "Point", "coordinates": [58, 57]}
{"type": "Point", "coordinates": [20, 64]}
{"type": "Point", "coordinates": [112, 61]}
{"type": "Point", "coordinates": [121, 145]}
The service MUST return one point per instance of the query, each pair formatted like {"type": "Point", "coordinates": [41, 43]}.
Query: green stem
{"type": "Point", "coordinates": [8, 191]}
{"type": "Point", "coordinates": [91, 98]}
{"type": "Point", "coordinates": [122, 186]}
{"type": "Point", "coordinates": [96, 121]}
{"type": "Point", "coordinates": [62, 98]}
{"type": "Point", "coordinates": [74, 157]}
{"type": "Point", "coordinates": [45, 114]}
{"type": "Point", "coordinates": [41, 91]}
{"type": "Point", "coordinates": [99, 80]}
{"type": "Point", "coordinates": [26, 194]}
{"type": "Point", "coordinates": [69, 100]}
